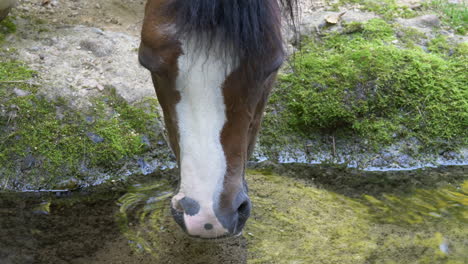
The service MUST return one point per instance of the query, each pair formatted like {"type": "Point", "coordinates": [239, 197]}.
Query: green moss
{"type": "Point", "coordinates": [6, 27]}
{"type": "Point", "coordinates": [440, 45]}
{"type": "Point", "coordinates": [44, 140]}
{"type": "Point", "coordinates": [410, 37]}
{"type": "Point", "coordinates": [362, 84]}
{"type": "Point", "coordinates": [14, 71]}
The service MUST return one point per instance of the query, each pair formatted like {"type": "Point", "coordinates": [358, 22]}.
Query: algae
{"type": "Point", "coordinates": [295, 222]}
{"type": "Point", "coordinates": [317, 220]}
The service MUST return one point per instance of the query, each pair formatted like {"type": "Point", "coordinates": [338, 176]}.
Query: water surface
{"type": "Point", "coordinates": [301, 214]}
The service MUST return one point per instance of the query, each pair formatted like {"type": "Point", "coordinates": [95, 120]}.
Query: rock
{"type": "Point", "coordinates": [353, 16]}
{"type": "Point", "coordinates": [68, 184]}
{"type": "Point", "coordinates": [423, 23]}
{"type": "Point", "coordinates": [20, 93]}
{"type": "Point", "coordinates": [430, 21]}
{"type": "Point", "coordinates": [144, 166]}
{"type": "Point", "coordinates": [334, 18]}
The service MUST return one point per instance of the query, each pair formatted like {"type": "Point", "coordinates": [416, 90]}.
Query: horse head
{"type": "Point", "coordinates": [213, 64]}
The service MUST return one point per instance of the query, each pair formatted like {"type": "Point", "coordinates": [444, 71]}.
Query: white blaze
{"type": "Point", "coordinates": [201, 117]}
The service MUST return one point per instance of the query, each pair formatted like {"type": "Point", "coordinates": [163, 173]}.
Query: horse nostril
{"type": "Point", "coordinates": [244, 210]}
{"type": "Point", "coordinates": [187, 206]}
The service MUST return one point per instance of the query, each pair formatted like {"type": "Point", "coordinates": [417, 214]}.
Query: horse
{"type": "Point", "coordinates": [213, 64]}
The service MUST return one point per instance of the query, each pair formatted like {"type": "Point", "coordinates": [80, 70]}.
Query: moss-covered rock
{"type": "Point", "coordinates": [45, 142]}
{"type": "Point", "coordinates": [374, 83]}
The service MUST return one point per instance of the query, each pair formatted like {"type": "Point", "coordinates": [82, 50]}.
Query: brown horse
{"type": "Point", "coordinates": [213, 64]}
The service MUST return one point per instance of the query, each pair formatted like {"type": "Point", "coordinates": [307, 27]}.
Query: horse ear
{"type": "Point", "coordinates": [149, 59]}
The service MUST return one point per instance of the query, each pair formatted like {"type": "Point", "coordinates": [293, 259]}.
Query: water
{"type": "Point", "coordinates": [301, 214]}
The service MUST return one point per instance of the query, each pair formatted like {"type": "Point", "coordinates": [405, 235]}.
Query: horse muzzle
{"type": "Point", "coordinates": [209, 220]}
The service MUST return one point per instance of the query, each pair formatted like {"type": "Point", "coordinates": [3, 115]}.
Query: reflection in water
{"type": "Point", "coordinates": [321, 218]}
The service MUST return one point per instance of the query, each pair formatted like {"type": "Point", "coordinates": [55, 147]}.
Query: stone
{"type": "Point", "coordinates": [20, 93]}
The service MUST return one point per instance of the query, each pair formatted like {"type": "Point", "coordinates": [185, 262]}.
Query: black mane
{"type": "Point", "coordinates": [250, 29]}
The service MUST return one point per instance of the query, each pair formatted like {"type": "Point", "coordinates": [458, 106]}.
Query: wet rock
{"type": "Point", "coordinates": [379, 162]}
{"type": "Point", "coordinates": [68, 184]}
{"type": "Point", "coordinates": [450, 155]}
{"type": "Point", "coordinates": [144, 166]}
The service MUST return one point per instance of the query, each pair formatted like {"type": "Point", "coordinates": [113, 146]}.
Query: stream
{"type": "Point", "coordinates": [301, 214]}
